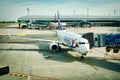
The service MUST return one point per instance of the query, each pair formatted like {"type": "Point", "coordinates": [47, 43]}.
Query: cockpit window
{"type": "Point", "coordinates": [82, 43]}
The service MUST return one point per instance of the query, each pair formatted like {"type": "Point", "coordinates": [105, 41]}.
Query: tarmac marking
{"type": "Point", "coordinates": [14, 74]}
{"type": "Point", "coordinates": [21, 34]}
{"type": "Point", "coordinates": [2, 55]}
{"type": "Point", "coordinates": [3, 66]}
{"type": "Point", "coordinates": [69, 60]}
{"type": "Point", "coordinates": [27, 75]}
{"type": "Point", "coordinates": [88, 62]}
{"type": "Point", "coordinates": [92, 65]}
{"type": "Point", "coordinates": [108, 77]}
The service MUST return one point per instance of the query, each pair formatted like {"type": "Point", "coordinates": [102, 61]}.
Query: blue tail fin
{"type": "Point", "coordinates": [59, 25]}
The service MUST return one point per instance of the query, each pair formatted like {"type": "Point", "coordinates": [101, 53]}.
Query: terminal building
{"type": "Point", "coordinates": [71, 20]}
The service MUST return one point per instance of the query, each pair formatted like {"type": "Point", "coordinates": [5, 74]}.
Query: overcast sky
{"type": "Point", "coordinates": [13, 9]}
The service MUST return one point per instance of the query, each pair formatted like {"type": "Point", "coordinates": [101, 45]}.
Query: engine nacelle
{"type": "Point", "coordinates": [54, 47]}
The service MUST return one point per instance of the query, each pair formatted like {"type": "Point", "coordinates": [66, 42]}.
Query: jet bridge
{"type": "Point", "coordinates": [110, 41]}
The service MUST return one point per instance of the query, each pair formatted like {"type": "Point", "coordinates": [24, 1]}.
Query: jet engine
{"type": "Point", "coordinates": [54, 47]}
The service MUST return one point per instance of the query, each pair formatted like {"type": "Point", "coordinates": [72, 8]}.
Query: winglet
{"type": "Point", "coordinates": [59, 25]}
{"type": "Point", "coordinates": [9, 34]}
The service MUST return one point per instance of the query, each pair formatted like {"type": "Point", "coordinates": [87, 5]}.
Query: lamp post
{"type": "Point", "coordinates": [87, 13]}
{"type": "Point", "coordinates": [28, 12]}
{"type": "Point", "coordinates": [74, 12]}
{"type": "Point", "coordinates": [114, 12]}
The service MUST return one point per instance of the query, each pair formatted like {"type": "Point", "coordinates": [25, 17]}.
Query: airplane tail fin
{"type": "Point", "coordinates": [59, 25]}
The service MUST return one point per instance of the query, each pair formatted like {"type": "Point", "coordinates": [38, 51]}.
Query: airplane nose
{"type": "Point", "coordinates": [86, 48]}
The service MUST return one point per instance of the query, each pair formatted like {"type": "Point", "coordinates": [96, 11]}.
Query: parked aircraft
{"type": "Point", "coordinates": [69, 39]}
{"type": "Point", "coordinates": [85, 23]}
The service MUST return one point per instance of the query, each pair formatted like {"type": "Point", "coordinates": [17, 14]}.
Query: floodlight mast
{"type": "Point", "coordinates": [114, 12]}
{"type": "Point", "coordinates": [28, 13]}
{"type": "Point", "coordinates": [87, 13]}
{"type": "Point", "coordinates": [29, 23]}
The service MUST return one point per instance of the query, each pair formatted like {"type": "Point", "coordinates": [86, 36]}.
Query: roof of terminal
{"type": "Point", "coordinates": [72, 17]}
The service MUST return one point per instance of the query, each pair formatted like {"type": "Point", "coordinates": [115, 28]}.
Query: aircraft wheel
{"type": "Point", "coordinates": [82, 57]}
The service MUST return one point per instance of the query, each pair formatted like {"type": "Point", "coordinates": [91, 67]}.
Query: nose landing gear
{"type": "Point", "coordinates": [82, 57]}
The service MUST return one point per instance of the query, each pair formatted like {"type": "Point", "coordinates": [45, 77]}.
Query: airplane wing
{"type": "Point", "coordinates": [33, 40]}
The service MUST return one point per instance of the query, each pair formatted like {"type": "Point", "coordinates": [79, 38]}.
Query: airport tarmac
{"type": "Point", "coordinates": [34, 61]}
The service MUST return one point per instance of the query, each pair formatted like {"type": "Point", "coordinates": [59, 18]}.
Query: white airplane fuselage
{"type": "Point", "coordinates": [74, 41]}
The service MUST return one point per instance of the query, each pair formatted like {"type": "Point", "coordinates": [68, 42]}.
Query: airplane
{"type": "Point", "coordinates": [69, 39]}
{"type": "Point", "coordinates": [86, 23]}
